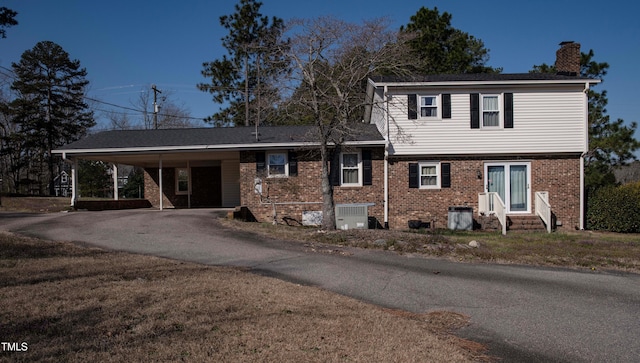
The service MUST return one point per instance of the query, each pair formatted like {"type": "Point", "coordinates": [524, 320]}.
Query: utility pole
{"type": "Point", "coordinates": [155, 105]}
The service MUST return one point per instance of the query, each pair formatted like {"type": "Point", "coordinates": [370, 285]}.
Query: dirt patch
{"type": "Point", "coordinates": [76, 304]}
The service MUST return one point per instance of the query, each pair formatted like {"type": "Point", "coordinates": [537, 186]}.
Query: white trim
{"type": "Point", "coordinates": [480, 83]}
{"type": "Point", "coordinates": [437, 106]}
{"type": "Point", "coordinates": [438, 174]}
{"type": "Point", "coordinates": [359, 168]}
{"type": "Point", "coordinates": [229, 147]}
{"type": "Point", "coordinates": [286, 163]}
{"type": "Point", "coordinates": [500, 110]}
{"type": "Point", "coordinates": [507, 165]}
{"type": "Point", "coordinates": [177, 183]}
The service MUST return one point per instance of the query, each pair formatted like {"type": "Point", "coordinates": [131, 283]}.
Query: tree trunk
{"type": "Point", "coordinates": [328, 209]}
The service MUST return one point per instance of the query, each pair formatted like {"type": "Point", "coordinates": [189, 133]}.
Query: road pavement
{"type": "Point", "coordinates": [524, 314]}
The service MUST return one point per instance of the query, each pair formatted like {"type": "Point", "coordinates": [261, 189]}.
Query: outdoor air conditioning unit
{"type": "Point", "coordinates": [350, 216]}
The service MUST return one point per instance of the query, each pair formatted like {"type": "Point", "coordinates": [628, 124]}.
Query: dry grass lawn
{"type": "Point", "coordinates": [576, 249]}
{"type": "Point", "coordinates": [77, 304]}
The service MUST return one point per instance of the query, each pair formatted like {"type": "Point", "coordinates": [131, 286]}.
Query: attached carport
{"type": "Point", "coordinates": [208, 158]}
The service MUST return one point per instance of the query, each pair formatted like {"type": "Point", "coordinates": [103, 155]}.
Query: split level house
{"type": "Point", "coordinates": [500, 147]}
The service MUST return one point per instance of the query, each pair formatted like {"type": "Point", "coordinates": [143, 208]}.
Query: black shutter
{"type": "Point", "coordinates": [446, 105]}
{"type": "Point", "coordinates": [508, 110]}
{"type": "Point", "coordinates": [293, 163]}
{"type": "Point", "coordinates": [367, 168]}
{"type": "Point", "coordinates": [260, 161]}
{"type": "Point", "coordinates": [475, 111]}
{"type": "Point", "coordinates": [412, 101]}
{"type": "Point", "coordinates": [414, 179]}
{"type": "Point", "coordinates": [445, 170]}
{"type": "Point", "coordinates": [334, 169]}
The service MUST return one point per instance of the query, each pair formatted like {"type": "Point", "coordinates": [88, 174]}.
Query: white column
{"type": "Point", "coordinates": [74, 182]}
{"type": "Point", "coordinates": [160, 181]}
{"type": "Point", "coordinates": [115, 181]}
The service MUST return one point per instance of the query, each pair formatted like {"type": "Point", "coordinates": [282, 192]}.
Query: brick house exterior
{"type": "Point", "coordinates": [559, 176]}
{"type": "Point", "coordinates": [426, 144]}
{"type": "Point", "coordinates": [290, 196]}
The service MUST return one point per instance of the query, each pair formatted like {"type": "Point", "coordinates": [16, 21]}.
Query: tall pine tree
{"type": "Point", "coordinates": [440, 48]}
{"type": "Point", "coordinates": [49, 109]}
{"type": "Point", "coordinates": [241, 81]}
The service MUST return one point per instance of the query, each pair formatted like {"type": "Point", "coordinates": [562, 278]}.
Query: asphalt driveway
{"type": "Point", "coordinates": [522, 313]}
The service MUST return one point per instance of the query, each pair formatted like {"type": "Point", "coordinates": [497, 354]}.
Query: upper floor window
{"type": "Point", "coordinates": [434, 107]}
{"type": "Point", "coordinates": [351, 169]}
{"type": "Point", "coordinates": [428, 106]}
{"type": "Point", "coordinates": [490, 111]}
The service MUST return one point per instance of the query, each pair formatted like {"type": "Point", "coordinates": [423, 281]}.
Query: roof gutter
{"type": "Point", "coordinates": [230, 147]}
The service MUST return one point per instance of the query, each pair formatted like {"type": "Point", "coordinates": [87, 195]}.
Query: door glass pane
{"type": "Point", "coordinates": [495, 182]}
{"type": "Point", "coordinates": [518, 188]}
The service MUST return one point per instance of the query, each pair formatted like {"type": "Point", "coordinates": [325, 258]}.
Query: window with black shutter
{"type": "Point", "coordinates": [367, 168]}
{"type": "Point", "coordinates": [508, 110]}
{"type": "Point", "coordinates": [414, 181]}
{"type": "Point", "coordinates": [412, 101]}
{"type": "Point", "coordinates": [445, 169]}
{"type": "Point", "coordinates": [260, 161]}
{"type": "Point", "coordinates": [446, 105]}
{"type": "Point", "coordinates": [293, 163]}
{"type": "Point", "coordinates": [475, 110]}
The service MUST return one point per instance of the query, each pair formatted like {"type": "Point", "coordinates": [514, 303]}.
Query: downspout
{"type": "Point", "coordinates": [582, 157]}
{"type": "Point", "coordinates": [386, 162]}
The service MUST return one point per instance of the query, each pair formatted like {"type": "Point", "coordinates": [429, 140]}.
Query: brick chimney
{"type": "Point", "coordinates": [568, 59]}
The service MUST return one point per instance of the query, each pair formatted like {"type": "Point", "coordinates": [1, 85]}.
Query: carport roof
{"type": "Point", "coordinates": [223, 138]}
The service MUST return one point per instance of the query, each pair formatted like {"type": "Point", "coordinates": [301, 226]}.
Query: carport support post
{"type": "Point", "coordinates": [115, 181]}
{"type": "Point", "coordinates": [160, 180]}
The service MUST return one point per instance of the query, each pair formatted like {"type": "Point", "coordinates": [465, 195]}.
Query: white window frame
{"type": "Point", "coordinates": [437, 106]}
{"type": "Point", "coordinates": [438, 174]}
{"type": "Point", "coordinates": [286, 164]}
{"type": "Point", "coordinates": [63, 178]}
{"type": "Point", "coordinates": [359, 168]}
{"type": "Point", "coordinates": [499, 110]}
{"type": "Point", "coordinates": [183, 192]}
{"type": "Point", "coordinates": [507, 171]}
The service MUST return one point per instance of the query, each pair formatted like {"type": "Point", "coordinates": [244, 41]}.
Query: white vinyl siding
{"type": "Point", "coordinates": [544, 121]}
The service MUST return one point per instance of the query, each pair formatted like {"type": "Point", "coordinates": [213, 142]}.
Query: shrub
{"type": "Point", "coordinates": [615, 209]}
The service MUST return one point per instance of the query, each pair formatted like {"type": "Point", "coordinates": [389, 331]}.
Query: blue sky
{"type": "Point", "coordinates": [128, 45]}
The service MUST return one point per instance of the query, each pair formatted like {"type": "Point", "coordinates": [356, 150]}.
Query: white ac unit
{"type": "Point", "coordinates": [350, 216]}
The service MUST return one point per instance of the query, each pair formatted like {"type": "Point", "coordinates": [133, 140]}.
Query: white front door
{"type": "Point", "coordinates": [512, 181]}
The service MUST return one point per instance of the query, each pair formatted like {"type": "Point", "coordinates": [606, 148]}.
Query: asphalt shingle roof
{"type": "Point", "coordinates": [480, 77]}
{"type": "Point", "coordinates": [221, 136]}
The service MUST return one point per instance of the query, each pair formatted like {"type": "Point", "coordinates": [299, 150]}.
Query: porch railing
{"type": "Point", "coordinates": [491, 203]}
{"type": "Point", "coordinates": [543, 209]}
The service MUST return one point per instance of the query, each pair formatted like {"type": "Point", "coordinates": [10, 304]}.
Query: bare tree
{"type": "Point", "coordinates": [331, 61]}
